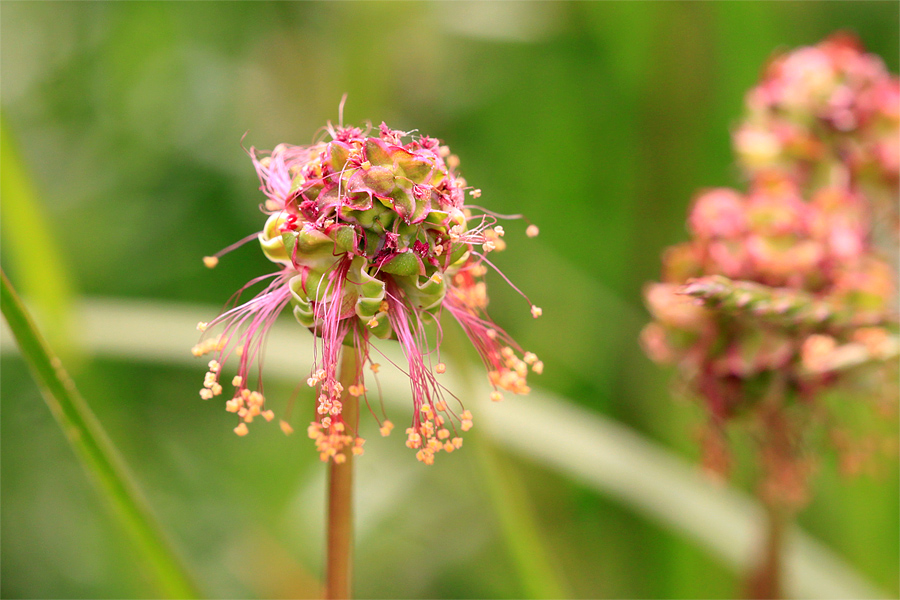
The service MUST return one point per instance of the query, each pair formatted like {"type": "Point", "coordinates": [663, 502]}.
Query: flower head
{"type": "Point", "coordinates": [821, 107]}
{"type": "Point", "coordinates": [769, 302]}
{"type": "Point", "coordinates": [373, 239]}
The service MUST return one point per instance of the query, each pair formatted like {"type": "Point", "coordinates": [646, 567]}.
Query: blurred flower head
{"type": "Point", "coordinates": [821, 105]}
{"type": "Point", "coordinates": [765, 305]}
{"type": "Point", "coordinates": [373, 238]}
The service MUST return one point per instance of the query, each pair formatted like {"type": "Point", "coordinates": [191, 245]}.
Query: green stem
{"type": "Point", "coordinates": [94, 448]}
{"type": "Point", "coordinates": [339, 559]}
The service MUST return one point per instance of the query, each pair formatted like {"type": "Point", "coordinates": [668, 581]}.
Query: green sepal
{"type": "Point", "coordinates": [403, 203]}
{"type": "Point", "coordinates": [314, 249]}
{"type": "Point", "coordinates": [379, 179]}
{"type": "Point", "coordinates": [459, 262]}
{"type": "Point", "coordinates": [344, 237]}
{"type": "Point", "coordinates": [382, 330]}
{"type": "Point", "coordinates": [377, 154]}
{"type": "Point", "coordinates": [412, 167]}
{"type": "Point", "coordinates": [297, 183]}
{"type": "Point", "coordinates": [438, 217]}
{"type": "Point", "coordinates": [339, 152]}
{"type": "Point", "coordinates": [272, 241]}
{"type": "Point", "coordinates": [457, 252]}
{"type": "Point", "coordinates": [404, 265]}
{"type": "Point", "coordinates": [303, 311]}
{"type": "Point", "coordinates": [423, 293]}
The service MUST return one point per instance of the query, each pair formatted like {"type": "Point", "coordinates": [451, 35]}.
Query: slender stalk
{"type": "Point", "coordinates": [97, 453]}
{"type": "Point", "coordinates": [339, 555]}
{"type": "Point", "coordinates": [765, 581]}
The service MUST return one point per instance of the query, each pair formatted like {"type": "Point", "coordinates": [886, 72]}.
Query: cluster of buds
{"type": "Point", "coordinates": [782, 292]}
{"type": "Point", "coordinates": [373, 238]}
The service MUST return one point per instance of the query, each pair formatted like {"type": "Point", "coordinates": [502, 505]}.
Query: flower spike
{"type": "Point", "coordinates": [373, 240]}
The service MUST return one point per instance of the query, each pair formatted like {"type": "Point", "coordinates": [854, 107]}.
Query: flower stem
{"type": "Point", "coordinates": [338, 568]}
{"type": "Point", "coordinates": [96, 451]}
{"type": "Point", "coordinates": [765, 582]}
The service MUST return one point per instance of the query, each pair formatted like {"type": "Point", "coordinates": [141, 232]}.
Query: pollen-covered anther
{"type": "Point", "coordinates": [436, 278]}
{"type": "Point", "coordinates": [386, 427]}
{"type": "Point", "coordinates": [426, 456]}
{"type": "Point", "coordinates": [312, 382]}
{"type": "Point", "coordinates": [268, 415]}
{"type": "Point", "coordinates": [285, 427]}
{"type": "Point", "coordinates": [530, 358]}
{"type": "Point", "coordinates": [465, 422]}
{"type": "Point", "coordinates": [373, 323]}
{"type": "Point", "coordinates": [496, 397]}
{"type": "Point", "coordinates": [233, 405]}
{"type": "Point", "coordinates": [479, 270]}
{"type": "Point", "coordinates": [532, 231]}
{"type": "Point", "coordinates": [536, 311]}
{"type": "Point", "coordinates": [538, 367]}
{"type": "Point", "coordinates": [321, 375]}
{"type": "Point", "coordinates": [206, 393]}
{"type": "Point", "coordinates": [488, 246]}
{"type": "Point", "coordinates": [237, 381]}
{"type": "Point", "coordinates": [440, 368]}
{"type": "Point", "coordinates": [207, 346]}
{"type": "Point", "coordinates": [375, 367]}
{"type": "Point", "coordinates": [443, 434]}
{"type": "Point", "coordinates": [202, 326]}
{"type": "Point", "coordinates": [413, 440]}
{"type": "Point", "coordinates": [211, 262]}
{"type": "Point", "coordinates": [476, 193]}
{"type": "Point", "coordinates": [242, 429]}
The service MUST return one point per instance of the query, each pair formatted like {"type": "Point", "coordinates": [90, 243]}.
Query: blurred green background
{"type": "Point", "coordinates": [596, 120]}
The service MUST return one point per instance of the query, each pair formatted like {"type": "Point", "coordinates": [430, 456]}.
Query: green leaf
{"type": "Point", "coordinates": [33, 252]}
{"type": "Point", "coordinates": [98, 455]}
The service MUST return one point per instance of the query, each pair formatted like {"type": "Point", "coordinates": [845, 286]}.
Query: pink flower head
{"type": "Point", "coordinates": [782, 291]}
{"type": "Point", "coordinates": [374, 239]}
{"type": "Point", "coordinates": [831, 104]}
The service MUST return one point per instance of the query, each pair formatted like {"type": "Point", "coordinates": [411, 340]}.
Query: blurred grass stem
{"type": "Point", "coordinates": [339, 559]}
{"type": "Point", "coordinates": [96, 451]}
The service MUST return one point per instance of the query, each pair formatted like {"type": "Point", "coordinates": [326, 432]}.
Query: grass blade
{"type": "Point", "coordinates": [94, 448]}
{"type": "Point", "coordinates": [33, 252]}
